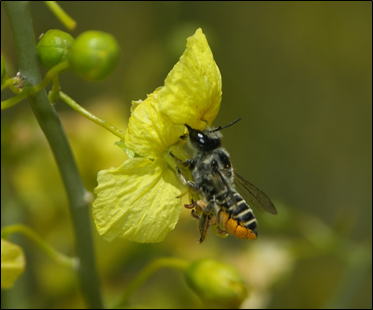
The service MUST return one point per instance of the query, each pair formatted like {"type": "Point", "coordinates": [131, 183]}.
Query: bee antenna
{"type": "Point", "coordinates": [222, 127]}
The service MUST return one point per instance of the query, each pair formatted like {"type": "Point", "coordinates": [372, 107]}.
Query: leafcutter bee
{"type": "Point", "coordinates": [214, 179]}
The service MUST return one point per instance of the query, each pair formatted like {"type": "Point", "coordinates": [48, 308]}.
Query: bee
{"type": "Point", "coordinates": [214, 178]}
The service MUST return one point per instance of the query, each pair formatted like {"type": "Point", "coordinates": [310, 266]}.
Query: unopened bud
{"type": "Point", "coordinates": [218, 285]}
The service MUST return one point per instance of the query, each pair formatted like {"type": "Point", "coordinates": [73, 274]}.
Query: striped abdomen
{"type": "Point", "coordinates": [237, 217]}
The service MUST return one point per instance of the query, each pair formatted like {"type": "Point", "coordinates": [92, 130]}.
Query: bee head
{"type": "Point", "coordinates": [206, 140]}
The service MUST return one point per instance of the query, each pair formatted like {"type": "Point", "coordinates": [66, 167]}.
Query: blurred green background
{"type": "Point", "coordinates": [300, 76]}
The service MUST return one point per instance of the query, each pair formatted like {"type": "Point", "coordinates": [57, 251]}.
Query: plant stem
{"type": "Point", "coordinates": [61, 14]}
{"type": "Point", "coordinates": [8, 81]}
{"type": "Point", "coordinates": [175, 263]}
{"type": "Point", "coordinates": [73, 104]}
{"type": "Point", "coordinates": [51, 74]}
{"type": "Point", "coordinates": [21, 24]}
{"type": "Point", "coordinates": [52, 253]}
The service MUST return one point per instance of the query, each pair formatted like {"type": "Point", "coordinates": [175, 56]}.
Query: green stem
{"type": "Point", "coordinates": [73, 104]}
{"type": "Point", "coordinates": [175, 263]}
{"type": "Point", "coordinates": [33, 90]}
{"type": "Point", "coordinates": [7, 83]}
{"type": "Point", "coordinates": [55, 92]}
{"type": "Point", "coordinates": [61, 14]}
{"type": "Point", "coordinates": [52, 253]}
{"type": "Point", "coordinates": [21, 24]}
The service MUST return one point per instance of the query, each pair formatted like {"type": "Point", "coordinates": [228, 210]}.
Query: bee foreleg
{"type": "Point", "coordinates": [185, 181]}
{"type": "Point", "coordinates": [184, 137]}
{"type": "Point", "coordinates": [189, 163]}
{"type": "Point", "coordinates": [178, 160]}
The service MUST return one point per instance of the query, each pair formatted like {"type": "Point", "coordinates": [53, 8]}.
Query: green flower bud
{"type": "Point", "coordinates": [12, 263]}
{"type": "Point", "coordinates": [94, 55]}
{"type": "Point", "coordinates": [54, 47]}
{"type": "Point", "coordinates": [3, 72]}
{"type": "Point", "coordinates": [219, 285]}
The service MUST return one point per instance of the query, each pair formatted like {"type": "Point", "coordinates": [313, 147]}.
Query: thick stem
{"type": "Point", "coordinates": [21, 24]}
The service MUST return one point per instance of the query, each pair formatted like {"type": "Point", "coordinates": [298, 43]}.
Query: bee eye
{"type": "Point", "coordinates": [201, 138]}
{"type": "Point", "coordinates": [202, 141]}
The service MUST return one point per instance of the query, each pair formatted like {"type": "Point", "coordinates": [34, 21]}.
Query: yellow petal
{"type": "Point", "coordinates": [137, 201]}
{"type": "Point", "coordinates": [150, 132]}
{"type": "Point", "coordinates": [192, 90]}
{"type": "Point", "coordinates": [12, 263]}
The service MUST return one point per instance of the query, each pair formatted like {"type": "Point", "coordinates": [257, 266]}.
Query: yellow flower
{"type": "Point", "coordinates": [192, 90]}
{"type": "Point", "coordinates": [138, 200]}
{"type": "Point", "coordinates": [12, 263]}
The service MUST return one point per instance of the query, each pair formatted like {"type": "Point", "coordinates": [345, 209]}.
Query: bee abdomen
{"type": "Point", "coordinates": [239, 206]}
{"type": "Point", "coordinates": [238, 218]}
{"type": "Point", "coordinates": [247, 219]}
{"type": "Point", "coordinates": [236, 228]}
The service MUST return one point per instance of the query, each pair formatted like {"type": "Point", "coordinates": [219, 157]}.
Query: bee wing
{"type": "Point", "coordinates": [216, 169]}
{"type": "Point", "coordinates": [255, 197]}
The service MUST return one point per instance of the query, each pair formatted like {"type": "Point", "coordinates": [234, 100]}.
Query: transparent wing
{"type": "Point", "coordinates": [226, 185]}
{"type": "Point", "coordinates": [254, 196]}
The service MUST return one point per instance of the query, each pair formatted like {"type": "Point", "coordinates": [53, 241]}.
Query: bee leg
{"type": "Point", "coordinates": [185, 181]}
{"type": "Point", "coordinates": [221, 231]}
{"type": "Point", "coordinates": [201, 204]}
{"type": "Point", "coordinates": [184, 137]}
{"type": "Point", "coordinates": [195, 214]}
{"type": "Point", "coordinates": [182, 194]}
{"type": "Point", "coordinates": [189, 163]}
{"type": "Point", "coordinates": [185, 163]}
{"type": "Point", "coordinates": [191, 206]}
{"type": "Point", "coordinates": [203, 226]}
{"type": "Point", "coordinates": [178, 160]}
{"type": "Point", "coordinates": [205, 218]}
{"type": "Point", "coordinates": [206, 208]}
{"type": "Point", "coordinates": [213, 220]}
